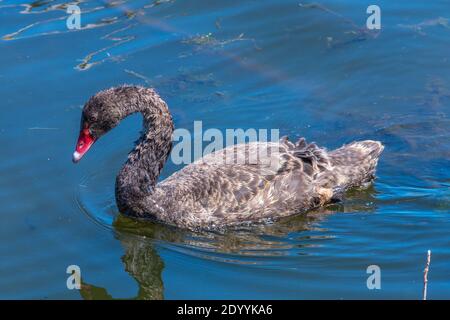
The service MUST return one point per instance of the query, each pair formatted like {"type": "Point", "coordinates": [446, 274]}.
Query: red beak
{"type": "Point", "coordinates": [85, 141]}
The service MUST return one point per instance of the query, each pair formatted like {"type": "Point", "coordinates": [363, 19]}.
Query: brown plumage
{"type": "Point", "coordinates": [263, 181]}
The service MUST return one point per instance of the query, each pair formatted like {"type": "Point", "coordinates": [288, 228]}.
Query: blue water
{"type": "Point", "coordinates": [310, 70]}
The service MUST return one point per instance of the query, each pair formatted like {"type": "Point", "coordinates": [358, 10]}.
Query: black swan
{"type": "Point", "coordinates": [210, 193]}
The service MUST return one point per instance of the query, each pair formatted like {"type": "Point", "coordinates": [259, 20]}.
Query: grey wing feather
{"type": "Point", "coordinates": [263, 180]}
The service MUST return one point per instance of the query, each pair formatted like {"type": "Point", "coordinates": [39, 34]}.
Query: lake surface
{"type": "Point", "coordinates": [310, 70]}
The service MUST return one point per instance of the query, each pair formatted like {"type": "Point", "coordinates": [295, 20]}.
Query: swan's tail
{"type": "Point", "coordinates": [354, 164]}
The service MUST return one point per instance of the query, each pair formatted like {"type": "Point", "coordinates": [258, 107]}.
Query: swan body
{"type": "Point", "coordinates": [284, 179]}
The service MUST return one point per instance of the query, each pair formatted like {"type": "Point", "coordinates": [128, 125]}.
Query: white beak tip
{"type": "Point", "coordinates": [76, 157]}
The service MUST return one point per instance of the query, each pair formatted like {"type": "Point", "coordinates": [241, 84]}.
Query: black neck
{"type": "Point", "coordinates": [140, 173]}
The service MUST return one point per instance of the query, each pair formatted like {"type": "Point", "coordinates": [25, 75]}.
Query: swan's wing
{"type": "Point", "coordinates": [247, 182]}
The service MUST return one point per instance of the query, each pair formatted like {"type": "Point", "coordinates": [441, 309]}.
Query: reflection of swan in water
{"type": "Point", "coordinates": [143, 263]}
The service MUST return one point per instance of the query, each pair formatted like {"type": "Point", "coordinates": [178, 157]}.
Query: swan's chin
{"type": "Point", "coordinates": [76, 157]}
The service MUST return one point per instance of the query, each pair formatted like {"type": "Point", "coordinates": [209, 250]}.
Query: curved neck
{"type": "Point", "coordinates": [140, 173]}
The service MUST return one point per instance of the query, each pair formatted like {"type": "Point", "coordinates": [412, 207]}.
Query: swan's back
{"type": "Point", "coordinates": [258, 181]}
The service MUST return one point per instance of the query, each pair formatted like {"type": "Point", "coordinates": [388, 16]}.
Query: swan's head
{"type": "Point", "coordinates": [100, 114]}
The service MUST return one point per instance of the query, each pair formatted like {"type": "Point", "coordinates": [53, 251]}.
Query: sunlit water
{"type": "Point", "coordinates": [310, 70]}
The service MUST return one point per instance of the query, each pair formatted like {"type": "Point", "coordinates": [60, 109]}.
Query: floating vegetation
{"type": "Point", "coordinates": [201, 39]}
{"type": "Point", "coordinates": [14, 35]}
{"type": "Point", "coordinates": [138, 75]}
{"type": "Point", "coordinates": [355, 36]}
{"type": "Point", "coordinates": [17, 34]}
{"type": "Point", "coordinates": [36, 4]}
{"type": "Point", "coordinates": [188, 81]}
{"type": "Point", "coordinates": [157, 3]}
{"type": "Point", "coordinates": [209, 41]}
{"type": "Point", "coordinates": [441, 22]}
{"type": "Point", "coordinates": [357, 33]}
{"type": "Point", "coordinates": [117, 41]}
{"type": "Point", "coordinates": [30, 8]}
{"type": "Point", "coordinates": [319, 6]}
{"type": "Point", "coordinates": [114, 4]}
{"type": "Point", "coordinates": [185, 78]}
{"type": "Point", "coordinates": [130, 14]}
